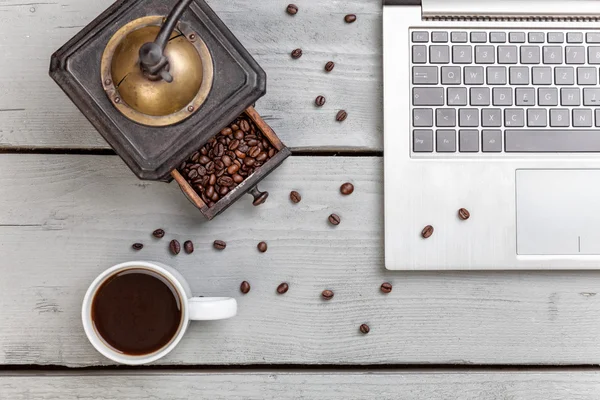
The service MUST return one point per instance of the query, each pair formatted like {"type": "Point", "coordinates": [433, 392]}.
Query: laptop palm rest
{"type": "Point", "coordinates": [558, 212]}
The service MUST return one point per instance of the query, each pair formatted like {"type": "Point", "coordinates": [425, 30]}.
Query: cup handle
{"type": "Point", "coordinates": [211, 308]}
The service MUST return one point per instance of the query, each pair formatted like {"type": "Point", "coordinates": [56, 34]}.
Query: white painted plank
{"type": "Point", "coordinates": [34, 113]}
{"type": "Point", "coordinates": [64, 219]}
{"type": "Point", "coordinates": [402, 385]}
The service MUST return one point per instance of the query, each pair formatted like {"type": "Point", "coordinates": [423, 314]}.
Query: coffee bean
{"type": "Point", "coordinates": [195, 157]}
{"type": "Point", "coordinates": [386, 287]}
{"type": "Point", "coordinates": [210, 167]}
{"type": "Point", "coordinates": [262, 156]}
{"type": "Point", "coordinates": [225, 181]}
{"type": "Point", "coordinates": [320, 101]}
{"type": "Point", "coordinates": [262, 247]}
{"type": "Point", "coordinates": [212, 180]}
{"type": "Point", "coordinates": [183, 165]}
{"type": "Point", "coordinates": [219, 150]}
{"type": "Point", "coordinates": [297, 54]}
{"type": "Point", "coordinates": [137, 246]}
{"type": "Point", "coordinates": [210, 191]}
{"type": "Point", "coordinates": [243, 147]}
{"type": "Point", "coordinates": [205, 180]}
{"type": "Point", "coordinates": [464, 214]}
{"type": "Point", "coordinates": [347, 189]}
{"type": "Point", "coordinates": [233, 168]}
{"type": "Point", "coordinates": [237, 178]}
{"type": "Point", "coordinates": [350, 18]}
{"type": "Point", "coordinates": [204, 151]}
{"type": "Point", "coordinates": [427, 232]}
{"type": "Point", "coordinates": [295, 197]}
{"type": "Point", "coordinates": [201, 170]}
{"type": "Point", "coordinates": [215, 197]}
{"type": "Point", "coordinates": [283, 288]}
{"type": "Point", "coordinates": [226, 131]}
{"type": "Point", "coordinates": [175, 247]}
{"type": "Point", "coordinates": [271, 152]}
{"type": "Point", "coordinates": [226, 161]}
{"type": "Point", "coordinates": [193, 174]}
{"type": "Point", "coordinates": [327, 294]}
{"type": "Point", "coordinates": [329, 66]}
{"type": "Point", "coordinates": [237, 162]}
{"type": "Point", "coordinates": [159, 233]}
{"type": "Point", "coordinates": [245, 287]}
{"type": "Point", "coordinates": [292, 9]}
{"type": "Point", "coordinates": [234, 144]}
{"type": "Point", "coordinates": [249, 161]}
{"type": "Point", "coordinates": [334, 219]}
{"type": "Point", "coordinates": [219, 245]}
{"type": "Point", "coordinates": [240, 154]}
{"type": "Point", "coordinates": [341, 116]}
{"type": "Point", "coordinates": [364, 328]}
{"type": "Point", "coordinates": [239, 135]}
{"type": "Point", "coordinates": [188, 246]}
{"type": "Point", "coordinates": [245, 126]}
{"type": "Point", "coordinates": [204, 160]}
{"type": "Point", "coordinates": [254, 151]}
{"type": "Point", "coordinates": [224, 190]}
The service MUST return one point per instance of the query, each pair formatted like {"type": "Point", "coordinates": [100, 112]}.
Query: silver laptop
{"type": "Point", "coordinates": [492, 106]}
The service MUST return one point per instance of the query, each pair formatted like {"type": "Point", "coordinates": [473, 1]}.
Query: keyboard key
{"type": "Point", "coordinates": [574, 37]}
{"type": "Point", "coordinates": [468, 117]}
{"type": "Point", "coordinates": [474, 75]}
{"type": "Point", "coordinates": [592, 37]}
{"type": "Point", "coordinates": [519, 75]}
{"type": "Point", "coordinates": [516, 37]}
{"type": "Point", "coordinates": [478, 37]}
{"type": "Point", "coordinates": [587, 76]}
{"type": "Point", "coordinates": [530, 55]}
{"type": "Point", "coordinates": [598, 117]}
{"type": "Point", "coordinates": [424, 96]}
{"type": "Point", "coordinates": [548, 96]}
{"type": "Point", "coordinates": [445, 117]}
{"type": "Point", "coordinates": [439, 37]}
{"type": "Point", "coordinates": [552, 140]}
{"type": "Point", "coordinates": [458, 37]}
{"type": "Point", "coordinates": [575, 55]}
{"type": "Point", "coordinates": [591, 97]}
{"type": "Point", "coordinates": [419, 54]}
{"type": "Point", "coordinates": [491, 117]}
{"type": "Point", "coordinates": [564, 76]}
{"type": "Point", "coordinates": [536, 37]}
{"type": "Point", "coordinates": [582, 118]}
{"type": "Point", "coordinates": [423, 117]}
{"type": "Point", "coordinates": [569, 97]}
{"type": "Point", "coordinates": [507, 54]}
{"type": "Point", "coordinates": [496, 75]}
{"type": "Point", "coordinates": [525, 97]}
{"type": "Point", "coordinates": [446, 141]}
{"type": "Point", "coordinates": [541, 75]}
{"type": "Point", "coordinates": [425, 75]}
{"type": "Point", "coordinates": [556, 37]}
{"type": "Point", "coordinates": [502, 96]}
{"type": "Point", "coordinates": [468, 141]}
{"type": "Point", "coordinates": [439, 54]}
{"type": "Point", "coordinates": [514, 117]}
{"type": "Point", "coordinates": [491, 140]}
{"type": "Point", "coordinates": [497, 37]}
{"type": "Point", "coordinates": [484, 54]}
{"type": "Point", "coordinates": [559, 118]}
{"type": "Point", "coordinates": [457, 96]}
{"type": "Point", "coordinates": [451, 76]}
{"type": "Point", "coordinates": [594, 55]}
{"type": "Point", "coordinates": [480, 96]}
{"type": "Point", "coordinates": [537, 117]}
{"type": "Point", "coordinates": [420, 37]}
{"type": "Point", "coordinates": [553, 55]}
{"type": "Point", "coordinates": [462, 54]}
{"type": "Point", "coordinates": [423, 141]}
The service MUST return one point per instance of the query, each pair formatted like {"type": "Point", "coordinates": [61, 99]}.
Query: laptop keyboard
{"type": "Point", "coordinates": [505, 91]}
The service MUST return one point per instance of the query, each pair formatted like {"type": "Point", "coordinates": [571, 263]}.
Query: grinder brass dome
{"type": "Point", "coordinates": [150, 100]}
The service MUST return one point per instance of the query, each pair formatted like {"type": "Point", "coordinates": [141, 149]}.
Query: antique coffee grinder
{"type": "Point", "coordinates": [158, 79]}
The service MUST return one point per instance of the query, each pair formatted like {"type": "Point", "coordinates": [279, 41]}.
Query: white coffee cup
{"type": "Point", "coordinates": [193, 309]}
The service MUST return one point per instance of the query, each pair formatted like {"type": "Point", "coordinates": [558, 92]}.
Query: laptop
{"type": "Point", "coordinates": [492, 107]}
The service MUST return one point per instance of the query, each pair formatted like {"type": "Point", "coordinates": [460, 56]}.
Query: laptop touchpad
{"type": "Point", "coordinates": [558, 212]}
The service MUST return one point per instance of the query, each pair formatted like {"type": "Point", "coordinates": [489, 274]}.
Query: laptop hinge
{"type": "Point", "coordinates": [511, 9]}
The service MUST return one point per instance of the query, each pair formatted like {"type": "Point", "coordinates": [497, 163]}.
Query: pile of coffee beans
{"type": "Point", "coordinates": [227, 159]}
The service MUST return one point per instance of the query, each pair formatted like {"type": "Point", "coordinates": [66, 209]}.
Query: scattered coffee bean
{"type": "Point", "coordinates": [320, 101]}
{"type": "Point", "coordinates": [327, 294]}
{"type": "Point", "coordinates": [341, 116]}
{"type": "Point", "coordinates": [334, 219]}
{"type": "Point", "coordinates": [292, 9]}
{"type": "Point", "coordinates": [427, 232]}
{"type": "Point", "coordinates": [262, 247]}
{"type": "Point", "coordinates": [364, 328]}
{"type": "Point", "coordinates": [350, 18]}
{"type": "Point", "coordinates": [219, 245]}
{"type": "Point", "coordinates": [297, 53]}
{"type": "Point", "coordinates": [245, 287]}
{"type": "Point", "coordinates": [175, 247]}
{"type": "Point", "coordinates": [137, 246]}
{"type": "Point", "coordinates": [347, 189]}
{"type": "Point", "coordinates": [159, 233]}
{"type": "Point", "coordinates": [386, 287]}
{"type": "Point", "coordinates": [283, 288]}
{"type": "Point", "coordinates": [329, 66]}
{"type": "Point", "coordinates": [188, 246]}
{"type": "Point", "coordinates": [295, 197]}
{"type": "Point", "coordinates": [464, 214]}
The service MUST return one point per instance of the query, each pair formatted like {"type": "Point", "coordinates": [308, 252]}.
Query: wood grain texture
{"type": "Point", "coordinates": [64, 219]}
{"type": "Point", "coordinates": [361, 384]}
{"type": "Point", "coordinates": [34, 113]}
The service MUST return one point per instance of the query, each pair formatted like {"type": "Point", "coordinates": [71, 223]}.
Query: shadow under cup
{"type": "Point", "coordinates": [137, 312]}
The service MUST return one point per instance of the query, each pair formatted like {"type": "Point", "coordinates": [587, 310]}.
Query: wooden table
{"type": "Point", "coordinates": [70, 208]}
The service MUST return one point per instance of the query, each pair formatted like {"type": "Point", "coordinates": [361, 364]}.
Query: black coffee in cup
{"type": "Point", "coordinates": [137, 311]}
